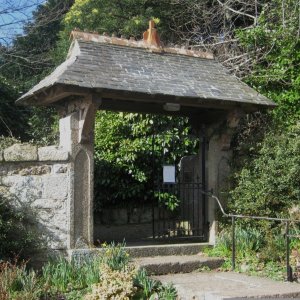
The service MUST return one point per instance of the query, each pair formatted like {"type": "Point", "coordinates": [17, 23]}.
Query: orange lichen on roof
{"type": "Point", "coordinates": [150, 41]}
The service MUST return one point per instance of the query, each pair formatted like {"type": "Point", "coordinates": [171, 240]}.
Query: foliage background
{"type": "Point", "coordinates": [130, 150]}
{"type": "Point", "coordinates": [258, 41]}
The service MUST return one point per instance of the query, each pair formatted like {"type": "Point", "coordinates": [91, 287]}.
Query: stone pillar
{"type": "Point", "coordinates": [77, 136]}
{"type": "Point", "coordinates": [218, 159]}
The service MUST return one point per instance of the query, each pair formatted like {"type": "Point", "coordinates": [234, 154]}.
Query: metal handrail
{"type": "Point", "coordinates": [234, 216]}
{"type": "Point", "coordinates": [246, 216]}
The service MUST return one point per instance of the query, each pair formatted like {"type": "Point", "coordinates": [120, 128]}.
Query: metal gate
{"type": "Point", "coordinates": [181, 212]}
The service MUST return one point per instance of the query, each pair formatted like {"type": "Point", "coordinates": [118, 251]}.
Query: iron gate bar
{"type": "Point", "coordinates": [233, 242]}
{"type": "Point", "coordinates": [181, 223]}
{"type": "Point", "coordinates": [203, 171]}
{"type": "Point", "coordinates": [289, 271]}
{"type": "Point", "coordinates": [194, 206]}
{"type": "Point", "coordinates": [153, 183]}
{"type": "Point", "coordinates": [191, 220]}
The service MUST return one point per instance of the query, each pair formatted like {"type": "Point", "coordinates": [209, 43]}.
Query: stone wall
{"type": "Point", "coordinates": [119, 224]}
{"type": "Point", "coordinates": [39, 181]}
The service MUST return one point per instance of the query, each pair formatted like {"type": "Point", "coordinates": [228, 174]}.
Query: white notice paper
{"type": "Point", "coordinates": [169, 174]}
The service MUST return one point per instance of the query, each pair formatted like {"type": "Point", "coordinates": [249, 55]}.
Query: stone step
{"type": "Point", "coordinates": [166, 250]}
{"type": "Point", "coordinates": [229, 286]}
{"type": "Point", "coordinates": [145, 251]}
{"type": "Point", "coordinates": [161, 265]}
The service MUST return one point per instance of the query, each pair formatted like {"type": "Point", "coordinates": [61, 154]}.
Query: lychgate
{"type": "Point", "coordinates": [111, 73]}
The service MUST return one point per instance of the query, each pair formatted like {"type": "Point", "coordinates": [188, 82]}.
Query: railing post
{"type": "Point", "coordinates": [289, 272]}
{"type": "Point", "coordinates": [233, 243]}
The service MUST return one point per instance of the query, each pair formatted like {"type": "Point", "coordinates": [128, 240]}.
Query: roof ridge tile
{"type": "Point", "coordinates": [106, 39]}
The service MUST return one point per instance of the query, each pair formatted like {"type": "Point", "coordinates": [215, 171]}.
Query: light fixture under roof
{"type": "Point", "coordinates": [172, 107]}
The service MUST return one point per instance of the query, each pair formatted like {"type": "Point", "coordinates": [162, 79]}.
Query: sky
{"type": "Point", "coordinates": [13, 15]}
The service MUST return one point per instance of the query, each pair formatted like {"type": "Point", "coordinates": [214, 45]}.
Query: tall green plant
{"type": "Point", "coordinates": [60, 275]}
{"type": "Point", "coordinates": [116, 257]}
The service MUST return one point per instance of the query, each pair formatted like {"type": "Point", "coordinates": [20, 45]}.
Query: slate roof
{"type": "Point", "coordinates": [96, 65]}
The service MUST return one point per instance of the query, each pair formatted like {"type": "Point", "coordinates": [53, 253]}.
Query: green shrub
{"type": "Point", "coordinates": [127, 156]}
{"type": "Point", "coordinates": [167, 200]}
{"type": "Point", "coordinates": [114, 284]}
{"type": "Point", "coordinates": [268, 185]}
{"type": "Point", "coordinates": [105, 276]}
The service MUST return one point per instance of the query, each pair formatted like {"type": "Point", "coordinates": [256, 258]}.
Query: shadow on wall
{"type": "Point", "coordinates": [23, 234]}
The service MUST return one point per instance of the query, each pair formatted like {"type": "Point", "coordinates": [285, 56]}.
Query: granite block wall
{"type": "Point", "coordinates": [38, 179]}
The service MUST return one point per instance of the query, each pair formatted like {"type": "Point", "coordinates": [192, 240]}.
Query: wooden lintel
{"type": "Point", "coordinates": [162, 99]}
{"type": "Point", "coordinates": [61, 91]}
{"type": "Point", "coordinates": [206, 115]}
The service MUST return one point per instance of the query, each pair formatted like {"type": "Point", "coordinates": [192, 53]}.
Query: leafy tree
{"type": "Point", "coordinates": [128, 17]}
{"type": "Point", "coordinates": [273, 46]}
{"type": "Point", "coordinates": [24, 62]}
{"type": "Point", "coordinates": [12, 118]}
{"type": "Point", "coordinates": [267, 157]}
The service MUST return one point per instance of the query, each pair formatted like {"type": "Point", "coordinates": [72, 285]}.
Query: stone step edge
{"type": "Point", "coordinates": [145, 251]}
{"type": "Point", "coordinates": [166, 250]}
{"type": "Point", "coordinates": [178, 267]}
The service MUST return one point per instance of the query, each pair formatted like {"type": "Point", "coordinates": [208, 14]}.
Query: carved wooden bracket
{"type": "Point", "coordinates": [233, 118]}
{"type": "Point", "coordinates": [232, 122]}
{"type": "Point", "coordinates": [87, 113]}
